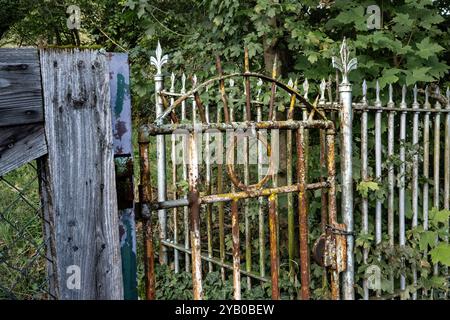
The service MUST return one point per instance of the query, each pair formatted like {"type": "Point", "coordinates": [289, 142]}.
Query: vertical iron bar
{"type": "Point", "coordinates": [174, 185]}
{"type": "Point", "coordinates": [323, 165]}
{"type": "Point", "coordinates": [145, 199]}
{"type": "Point", "coordinates": [426, 159]}
{"type": "Point", "coordinates": [402, 172]}
{"type": "Point", "coordinates": [436, 154]}
{"type": "Point", "coordinates": [447, 168]}
{"type": "Point", "coordinates": [220, 204]}
{"type": "Point", "coordinates": [345, 114]}
{"type": "Point", "coordinates": [161, 168]}
{"type": "Point", "coordinates": [364, 177]}
{"type": "Point", "coordinates": [261, 233]}
{"type": "Point", "coordinates": [273, 230]}
{"type": "Point", "coordinates": [378, 159]}
{"type": "Point", "coordinates": [303, 216]}
{"type": "Point", "coordinates": [391, 177]}
{"type": "Point", "coordinates": [185, 177]}
{"type": "Point", "coordinates": [194, 208]}
{"type": "Point", "coordinates": [236, 250]}
{"type": "Point", "coordinates": [274, 137]}
{"type": "Point", "coordinates": [415, 177]}
{"type": "Point", "coordinates": [208, 191]}
{"type": "Point", "coordinates": [247, 117]}
{"type": "Point", "coordinates": [447, 155]}
{"type": "Point", "coordinates": [290, 196]}
{"type": "Point", "coordinates": [426, 166]}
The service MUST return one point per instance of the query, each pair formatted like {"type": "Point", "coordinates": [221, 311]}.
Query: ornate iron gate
{"type": "Point", "coordinates": [302, 120]}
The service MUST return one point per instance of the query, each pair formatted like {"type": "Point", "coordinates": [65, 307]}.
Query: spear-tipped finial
{"type": "Point", "coordinates": [427, 96]}
{"type": "Point", "coordinates": [290, 83]}
{"type": "Point", "coordinates": [183, 83]}
{"type": "Point", "coordinates": [159, 59]}
{"type": "Point", "coordinates": [377, 91]}
{"type": "Point", "coordinates": [259, 85]}
{"type": "Point", "coordinates": [172, 82]}
{"type": "Point", "coordinates": [323, 86]}
{"type": "Point", "coordinates": [404, 95]}
{"type": "Point", "coordinates": [391, 93]}
{"type": "Point", "coordinates": [343, 63]}
{"type": "Point", "coordinates": [274, 67]}
{"type": "Point", "coordinates": [415, 102]}
{"type": "Point", "coordinates": [306, 88]}
{"type": "Point", "coordinates": [437, 92]}
{"type": "Point", "coordinates": [364, 89]}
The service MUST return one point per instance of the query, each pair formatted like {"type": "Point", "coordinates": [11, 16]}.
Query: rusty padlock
{"type": "Point", "coordinates": [330, 250]}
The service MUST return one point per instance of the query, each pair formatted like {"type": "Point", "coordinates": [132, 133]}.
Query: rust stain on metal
{"type": "Point", "coordinates": [194, 208]}
{"type": "Point", "coordinates": [145, 195]}
{"type": "Point", "coordinates": [236, 250]}
{"type": "Point", "coordinates": [200, 107]}
{"type": "Point", "coordinates": [303, 217]}
{"type": "Point", "coordinates": [273, 234]}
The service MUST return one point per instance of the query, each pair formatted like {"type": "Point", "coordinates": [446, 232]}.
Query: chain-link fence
{"type": "Point", "coordinates": [23, 262]}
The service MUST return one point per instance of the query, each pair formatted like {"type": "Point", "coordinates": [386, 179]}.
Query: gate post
{"type": "Point", "coordinates": [158, 61]}
{"type": "Point", "coordinates": [345, 65]}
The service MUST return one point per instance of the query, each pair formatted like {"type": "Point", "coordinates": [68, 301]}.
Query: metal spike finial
{"type": "Point", "coordinates": [364, 89]}
{"type": "Point", "coordinates": [183, 83]}
{"type": "Point", "coordinates": [159, 59]}
{"type": "Point", "coordinates": [172, 82]}
{"type": "Point", "coordinates": [290, 83]}
{"type": "Point", "coordinates": [259, 85]}
{"type": "Point", "coordinates": [274, 66]}
{"type": "Point", "coordinates": [415, 94]}
{"type": "Point", "coordinates": [404, 94]}
{"type": "Point", "coordinates": [344, 64]}
{"type": "Point", "coordinates": [437, 92]}
{"type": "Point", "coordinates": [391, 93]}
{"type": "Point", "coordinates": [377, 91]}
{"type": "Point", "coordinates": [306, 88]}
{"type": "Point", "coordinates": [323, 86]}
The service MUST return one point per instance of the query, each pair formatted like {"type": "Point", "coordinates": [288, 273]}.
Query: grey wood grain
{"type": "Point", "coordinates": [80, 195]}
{"type": "Point", "coordinates": [20, 145]}
{"type": "Point", "coordinates": [20, 87]}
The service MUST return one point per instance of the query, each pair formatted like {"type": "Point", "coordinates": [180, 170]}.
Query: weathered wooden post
{"type": "Point", "coordinates": [345, 65]}
{"type": "Point", "coordinates": [79, 188]}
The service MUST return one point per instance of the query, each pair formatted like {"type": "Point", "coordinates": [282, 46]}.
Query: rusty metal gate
{"type": "Point", "coordinates": [199, 154]}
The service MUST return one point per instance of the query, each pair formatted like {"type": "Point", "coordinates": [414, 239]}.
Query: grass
{"type": "Point", "coordinates": [22, 262]}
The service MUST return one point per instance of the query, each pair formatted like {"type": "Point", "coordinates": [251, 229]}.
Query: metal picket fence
{"type": "Point", "coordinates": [23, 261]}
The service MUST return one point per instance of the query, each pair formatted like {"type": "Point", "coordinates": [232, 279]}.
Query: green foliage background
{"type": "Point", "coordinates": [410, 48]}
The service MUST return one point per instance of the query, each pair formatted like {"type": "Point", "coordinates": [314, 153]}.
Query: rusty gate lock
{"type": "Point", "coordinates": [330, 250]}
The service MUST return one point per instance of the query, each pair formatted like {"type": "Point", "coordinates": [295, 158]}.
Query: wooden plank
{"type": "Point", "coordinates": [80, 192]}
{"type": "Point", "coordinates": [121, 113]}
{"type": "Point", "coordinates": [20, 87]}
{"type": "Point", "coordinates": [20, 145]}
